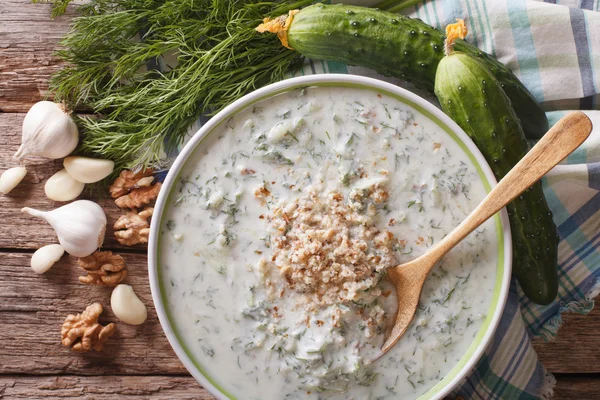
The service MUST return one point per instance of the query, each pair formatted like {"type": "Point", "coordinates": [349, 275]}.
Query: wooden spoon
{"type": "Point", "coordinates": [409, 278]}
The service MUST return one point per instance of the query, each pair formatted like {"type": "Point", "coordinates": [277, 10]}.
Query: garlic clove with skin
{"type": "Point", "coordinates": [62, 187]}
{"type": "Point", "coordinates": [80, 226]}
{"type": "Point", "coordinates": [11, 178]}
{"type": "Point", "coordinates": [127, 306]}
{"type": "Point", "coordinates": [88, 170]}
{"type": "Point", "coordinates": [48, 131]}
{"type": "Point", "coordinates": [45, 257]}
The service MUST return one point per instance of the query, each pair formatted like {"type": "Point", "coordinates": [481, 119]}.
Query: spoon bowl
{"type": "Point", "coordinates": [408, 278]}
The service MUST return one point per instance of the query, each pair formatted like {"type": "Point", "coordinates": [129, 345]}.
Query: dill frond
{"type": "Point", "coordinates": [58, 6]}
{"type": "Point", "coordinates": [142, 111]}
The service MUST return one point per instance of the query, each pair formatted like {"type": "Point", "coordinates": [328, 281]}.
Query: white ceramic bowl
{"type": "Point", "coordinates": [503, 271]}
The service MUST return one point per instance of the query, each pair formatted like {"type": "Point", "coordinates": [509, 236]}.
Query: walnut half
{"type": "Point", "coordinates": [139, 197]}
{"type": "Point", "coordinates": [82, 332]}
{"type": "Point", "coordinates": [103, 268]}
{"type": "Point", "coordinates": [135, 189]}
{"type": "Point", "coordinates": [129, 180]}
{"type": "Point", "coordinates": [133, 227]}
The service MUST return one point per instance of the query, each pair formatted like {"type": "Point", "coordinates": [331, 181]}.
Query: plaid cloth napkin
{"type": "Point", "coordinates": [554, 48]}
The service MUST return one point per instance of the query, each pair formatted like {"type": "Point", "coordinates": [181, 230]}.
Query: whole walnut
{"type": "Point", "coordinates": [133, 227]}
{"type": "Point", "coordinates": [130, 180]}
{"type": "Point", "coordinates": [135, 189]}
{"type": "Point", "coordinates": [103, 268]}
{"type": "Point", "coordinates": [82, 332]}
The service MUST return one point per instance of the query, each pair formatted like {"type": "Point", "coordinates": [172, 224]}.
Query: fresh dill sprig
{"type": "Point", "coordinates": [140, 111]}
{"type": "Point", "coordinates": [59, 6]}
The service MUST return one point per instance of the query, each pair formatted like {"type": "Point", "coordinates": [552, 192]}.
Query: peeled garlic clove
{"type": "Point", "coordinates": [80, 226]}
{"type": "Point", "coordinates": [127, 306]}
{"type": "Point", "coordinates": [62, 187]}
{"type": "Point", "coordinates": [11, 178]}
{"type": "Point", "coordinates": [45, 257]}
{"type": "Point", "coordinates": [48, 131]}
{"type": "Point", "coordinates": [88, 170]}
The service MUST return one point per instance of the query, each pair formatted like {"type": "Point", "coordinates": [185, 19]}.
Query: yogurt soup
{"type": "Point", "coordinates": [276, 238]}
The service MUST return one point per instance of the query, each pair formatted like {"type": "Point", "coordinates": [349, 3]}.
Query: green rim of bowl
{"type": "Point", "coordinates": [500, 268]}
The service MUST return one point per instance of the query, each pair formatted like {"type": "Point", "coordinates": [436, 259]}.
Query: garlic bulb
{"type": "Point", "coordinates": [45, 257]}
{"type": "Point", "coordinates": [48, 131]}
{"type": "Point", "coordinates": [127, 306]}
{"type": "Point", "coordinates": [88, 170]}
{"type": "Point", "coordinates": [80, 226]}
{"type": "Point", "coordinates": [62, 187]}
{"type": "Point", "coordinates": [11, 178]}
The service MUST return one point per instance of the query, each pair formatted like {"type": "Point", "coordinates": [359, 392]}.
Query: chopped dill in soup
{"type": "Point", "coordinates": [278, 234]}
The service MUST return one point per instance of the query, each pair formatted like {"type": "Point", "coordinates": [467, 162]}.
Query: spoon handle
{"type": "Point", "coordinates": [560, 141]}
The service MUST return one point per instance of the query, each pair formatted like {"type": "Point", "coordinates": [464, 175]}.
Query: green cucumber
{"type": "Point", "coordinates": [399, 46]}
{"type": "Point", "coordinates": [470, 94]}
{"type": "Point", "coordinates": [533, 119]}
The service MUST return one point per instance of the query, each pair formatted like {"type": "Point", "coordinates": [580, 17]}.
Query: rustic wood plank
{"type": "Point", "coordinates": [570, 387]}
{"type": "Point", "coordinates": [21, 231]}
{"type": "Point", "coordinates": [33, 308]}
{"type": "Point", "coordinates": [169, 387]}
{"type": "Point", "coordinates": [28, 38]}
{"type": "Point", "coordinates": [101, 387]}
{"type": "Point", "coordinates": [577, 346]}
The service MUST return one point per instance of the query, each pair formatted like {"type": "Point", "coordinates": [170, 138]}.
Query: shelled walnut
{"type": "Point", "coordinates": [135, 189]}
{"type": "Point", "coordinates": [133, 227]}
{"type": "Point", "coordinates": [82, 332]}
{"type": "Point", "coordinates": [103, 268]}
{"type": "Point", "coordinates": [139, 197]}
{"type": "Point", "coordinates": [129, 180]}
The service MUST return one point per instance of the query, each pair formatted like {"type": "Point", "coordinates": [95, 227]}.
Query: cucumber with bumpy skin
{"type": "Point", "coordinates": [399, 46]}
{"type": "Point", "coordinates": [533, 119]}
{"type": "Point", "coordinates": [470, 94]}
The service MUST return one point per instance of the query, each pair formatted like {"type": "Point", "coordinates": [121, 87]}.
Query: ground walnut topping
{"type": "Point", "coordinates": [262, 193]}
{"type": "Point", "coordinates": [329, 249]}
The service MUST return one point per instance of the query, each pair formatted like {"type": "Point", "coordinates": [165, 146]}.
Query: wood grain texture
{"type": "Point", "coordinates": [101, 387]}
{"type": "Point", "coordinates": [21, 231]}
{"type": "Point", "coordinates": [568, 387]}
{"type": "Point", "coordinates": [28, 38]}
{"type": "Point", "coordinates": [576, 349]}
{"type": "Point", "coordinates": [33, 308]}
{"type": "Point", "coordinates": [574, 387]}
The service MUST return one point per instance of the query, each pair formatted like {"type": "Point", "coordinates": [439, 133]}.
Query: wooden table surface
{"type": "Point", "coordinates": [137, 361]}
